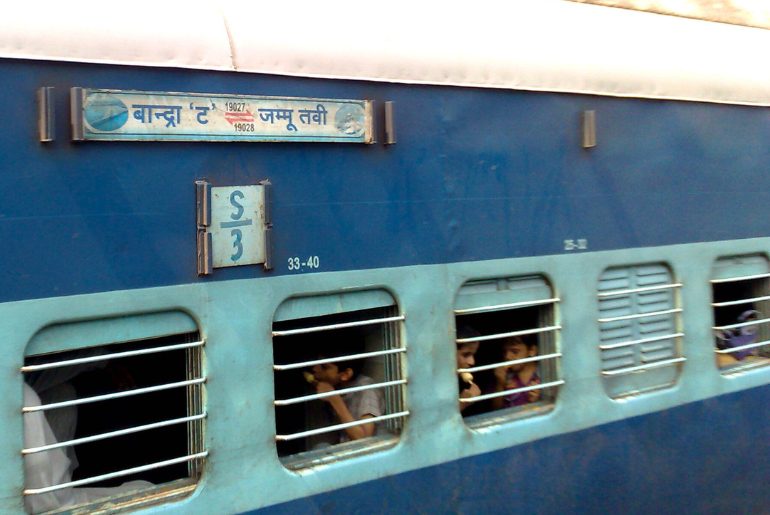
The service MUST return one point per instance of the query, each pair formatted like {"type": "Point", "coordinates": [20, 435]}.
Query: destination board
{"type": "Point", "coordinates": [115, 115]}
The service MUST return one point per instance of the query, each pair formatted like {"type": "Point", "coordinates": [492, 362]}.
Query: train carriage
{"type": "Point", "coordinates": [204, 205]}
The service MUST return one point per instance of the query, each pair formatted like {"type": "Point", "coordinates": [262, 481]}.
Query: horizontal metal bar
{"type": "Point", "coordinates": [343, 391]}
{"type": "Point", "coordinates": [743, 347]}
{"type": "Point", "coordinates": [117, 395]}
{"type": "Point", "coordinates": [337, 427]}
{"type": "Point", "coordinates": [543, 357]}
{"type": "Point", "coordinates": [112, 434]}
{"type": "Point", "coordinates": [512, 305]}
{"type": "Point", "coordinates": [639, 315]}
{"type": "Point", "coordinates": [643, 289]}
{"type": "Point", "coordinates": [104, 357]}
{"type": "Point", "coordinates": [739, 302]}
{"type": "Point", "coordinates": [741, 278]}
{"type": "Point", "coordinates": [306, 364]}
{"type": "Point", "coordinates": [315, 329]}
{"type": "Point", "coordinates": [503, 393]}
{"type": "Point", "coordinates": [120, 473]}
{"type": "Point", "coordinates": [641, 368]}
{"type": "Point", "coordinates": [609, 346]}
{"type": "Point", "coordinates": [498, 336]}
{"type": "Point", "coordinates": [742, 324]}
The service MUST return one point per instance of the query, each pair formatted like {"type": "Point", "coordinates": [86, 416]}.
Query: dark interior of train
{"type": "Point", "coordinates": [491, 351]}
{"type": "Point", "coordinates": [316, 414]}
{"type": "Point", "coordinates": [118, 375]}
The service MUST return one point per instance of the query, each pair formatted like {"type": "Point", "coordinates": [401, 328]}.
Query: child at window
{"type": "Point", "coordinates": [349, 407]}
{"type": "Point", "coordinates": [517, 376]}
{"type": "Point", "coordinates": [466, 358]}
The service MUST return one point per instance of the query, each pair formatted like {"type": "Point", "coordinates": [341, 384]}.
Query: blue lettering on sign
{"type": "Point", "coordinates": [237, 222]}
{"type": "Point", "coordinates": [171, 114]}
{"type": "Point", "coordinates": [203, 111]}
{"type": "Point", "coordinates": [237, 245]}
{"type": "Point", "coordinates": [239, 213]}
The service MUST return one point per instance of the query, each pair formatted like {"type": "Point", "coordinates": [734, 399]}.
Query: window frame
{"type": "Point", "coordinates": [394, 386]}
{"type": "Point", "coordinates": [748, 267]}
{"type": "Point", "coordinates": [514, 287]}
{"type": "Point", "coordinates": [640, 371]}
{"type": "Point", "coordinates": [95, 337]}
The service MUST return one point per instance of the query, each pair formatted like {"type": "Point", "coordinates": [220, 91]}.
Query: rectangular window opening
{"type": "Point", "coordinates": [354, 350]}
{"type": "Point", "coordinates": [741, 307]}
{"type": "Point", "coordinates": [112, 422]}
{"type": "Point", "coordinates": [508, 361]}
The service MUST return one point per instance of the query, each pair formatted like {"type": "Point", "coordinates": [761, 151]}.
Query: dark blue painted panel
{"type": "Point", "coordinates": [706, 457]}
{"type": "Point", "coordinates": [476, 174]}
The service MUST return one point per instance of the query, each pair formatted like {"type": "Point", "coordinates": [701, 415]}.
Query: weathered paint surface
{"type": "Point", "coordinates": [753, 13]}
{"type": "Point", "coordinates": [475, 175]}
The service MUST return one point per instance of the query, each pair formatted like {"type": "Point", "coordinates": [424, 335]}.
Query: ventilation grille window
{"type": "Point", "coordinates": [507, 345]}
{"type": "Point", "coordinates": [121, 417]}
{"type": "Point", "coordinates": [338, 347]}
{"type": "Point", "coordinates": [741, 303]}
{"type": "Point", "coordinates": [639, 326]}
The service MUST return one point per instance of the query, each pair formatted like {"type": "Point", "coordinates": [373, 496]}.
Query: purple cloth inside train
{"type": "Point", "coordinates": [737, 341]}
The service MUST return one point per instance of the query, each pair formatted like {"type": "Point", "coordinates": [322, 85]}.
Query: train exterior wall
{"type": "Point", "coordinates": [475, 175]}
{"type": "Point", "coordinates": [481, 184]}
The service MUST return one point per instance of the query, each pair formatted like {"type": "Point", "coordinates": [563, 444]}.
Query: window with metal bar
{"type": "Point", "coordinates": [507, 347]}
{"type": "Point", "coordinates": [339, 381]}
{"type": "Point", "coordinates": [639, 324]}
{"type": "Point", "coordinates": [740, 289]}
{"type": "Point", "coordinates": [121, 420]}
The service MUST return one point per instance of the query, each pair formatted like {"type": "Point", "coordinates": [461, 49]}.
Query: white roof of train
{"type": "Point", "coordinates": [539, 45]}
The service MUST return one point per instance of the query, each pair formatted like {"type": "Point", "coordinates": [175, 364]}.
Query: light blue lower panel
{"type": "Point", "coordinates": [637, 450]}
{"type": "Point", "coordinates": [711, 456]}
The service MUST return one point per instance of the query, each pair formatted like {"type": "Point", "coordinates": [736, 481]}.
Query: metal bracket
{"type": "Point", "coordinates": [268, 264]}
{"type": "Point", "coordinates": [203, 220]}
{"type": "Point", "coordinates": [76, 113]}
{"type": "Point", "coordinates": [390, 127]}
{"type": "Point", "coordinates": [589, 129]}
{"type": "Point", "coordinates": [45, 116]}
{"type": "Point", "coordinates": [268, 188]}
{"type": "Point", "coordinates": [203, 203]}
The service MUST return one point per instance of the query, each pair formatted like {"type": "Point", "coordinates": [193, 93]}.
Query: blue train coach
{"type": "Point", "coordinates": [386, 258]}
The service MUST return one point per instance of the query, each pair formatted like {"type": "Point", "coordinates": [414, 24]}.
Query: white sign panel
{"type": "Point", "coordinates": [114, 115]}
{"type": "Point", "coordinates": [237, 225]}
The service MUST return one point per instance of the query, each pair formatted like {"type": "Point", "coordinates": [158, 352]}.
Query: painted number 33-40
{"type": "Point", "coordinates": [296, 263]}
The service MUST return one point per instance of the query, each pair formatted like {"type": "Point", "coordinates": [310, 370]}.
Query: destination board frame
{"type": "Point", "coordinates": [130, 115]}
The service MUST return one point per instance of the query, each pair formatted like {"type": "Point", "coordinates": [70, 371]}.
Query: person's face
{"type": "Point", "coordinates": [512, 351]}
{"type": "Point", "coordinates": [466, 354]}
{"type": "Point", "coordinates": [327, 372]}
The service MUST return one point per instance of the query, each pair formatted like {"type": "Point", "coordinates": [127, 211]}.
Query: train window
{"type": "Point", "coordinates": [118, 422]}
{"type": "Point", "coordinates": [740, 289]}
{"type": "Point", "coordinates": [339, 380]}
{"type": "Point", "coordinates": [639, 324]}
{"type": "Point", "coordinates": [507, 348]}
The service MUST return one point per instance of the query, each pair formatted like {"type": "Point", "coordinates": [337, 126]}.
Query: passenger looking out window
{"type": "Point", "coordinates": [338, 376]}
{"type": "Point", "coordinates": [466, 358]}
{"type": "Point", "coordinates": [517, 376]}
{"type": "Point", "coordinates": [349, 407]}
{"type": "Point", "coordinates": [507, 341]}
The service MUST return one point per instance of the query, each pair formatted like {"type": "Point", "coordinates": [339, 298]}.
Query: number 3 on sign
{"type": "Point", "coordinates": [237, 245]}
